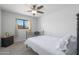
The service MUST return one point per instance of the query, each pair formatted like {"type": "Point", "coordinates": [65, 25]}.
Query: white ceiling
{"type": "Point", "coordinates": [22, 8]}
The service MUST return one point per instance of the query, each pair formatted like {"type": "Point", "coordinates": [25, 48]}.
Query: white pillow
{"type": "Point", "coordinates": [62, 45]}
{"type": "Point", "coordinates": [72, 46]}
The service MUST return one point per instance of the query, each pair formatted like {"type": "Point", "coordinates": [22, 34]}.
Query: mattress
{"type": "Point", "coordinates": [44, 45]}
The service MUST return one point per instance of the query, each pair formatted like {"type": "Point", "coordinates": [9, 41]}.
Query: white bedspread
{"type": "Point", "coordinates": [44, 45]}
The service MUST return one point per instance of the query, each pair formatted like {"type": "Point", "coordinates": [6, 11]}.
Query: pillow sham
{"type": "Point", "coordinates": [71, 46]}
{"type": "Point", "coordinates": [62, 45]}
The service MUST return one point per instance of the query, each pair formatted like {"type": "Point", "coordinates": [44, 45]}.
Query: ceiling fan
{"type": "Point", "coordinates": [36, 9]}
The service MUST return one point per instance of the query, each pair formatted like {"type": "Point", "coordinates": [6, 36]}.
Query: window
{"type": "Point", "coordinates": [22, 24]}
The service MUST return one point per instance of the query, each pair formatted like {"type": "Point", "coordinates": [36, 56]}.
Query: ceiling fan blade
{"type": "Point", "coordinates": [40, 7]}
{"type": "Point", "coordinates": [40, 12]}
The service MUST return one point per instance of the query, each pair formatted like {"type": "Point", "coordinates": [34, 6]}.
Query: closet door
{"type": "Point", "coordinates": [78, 34]}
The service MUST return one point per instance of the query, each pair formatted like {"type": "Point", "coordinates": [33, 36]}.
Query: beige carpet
{"type": "Point", "coordinates": [17, 48]}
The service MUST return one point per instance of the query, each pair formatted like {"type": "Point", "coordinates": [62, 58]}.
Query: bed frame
{"type": "Point", "coordinates": [78, 34]}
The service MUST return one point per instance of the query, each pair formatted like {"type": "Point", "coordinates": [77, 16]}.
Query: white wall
{"type": "Point", "coordinates": [9, 23]}
{"type": "Point", "coordinates": [60, 22]}
{"type": "Point", "coordinates": [0, 27]}
{"type": "Point", "coordinates": [0, 22]}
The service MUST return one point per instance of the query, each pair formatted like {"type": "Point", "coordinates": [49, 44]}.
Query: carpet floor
{"type": "Point", "coordinates": [17, 48]}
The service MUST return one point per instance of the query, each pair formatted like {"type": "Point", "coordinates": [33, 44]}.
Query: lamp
{"type": "Point", "coordinates": [34, 12]}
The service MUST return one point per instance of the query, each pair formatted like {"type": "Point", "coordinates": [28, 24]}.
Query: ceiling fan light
{"type": "Point", "coordinates": [34, 12]}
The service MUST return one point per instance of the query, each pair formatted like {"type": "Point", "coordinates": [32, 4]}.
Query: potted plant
{"type": "Point", "coordinates": [6, 34]}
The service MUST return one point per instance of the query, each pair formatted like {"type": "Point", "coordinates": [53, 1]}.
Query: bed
{"type": "Point", "coordinates": [50, 45]}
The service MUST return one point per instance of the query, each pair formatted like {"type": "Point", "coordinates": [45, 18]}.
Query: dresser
{"type": "Point", "coordinates": [7, 41]}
